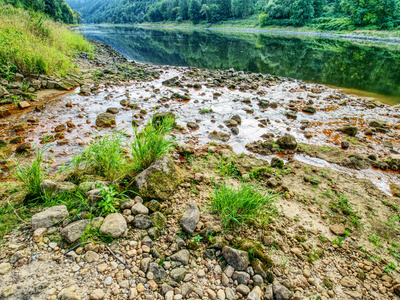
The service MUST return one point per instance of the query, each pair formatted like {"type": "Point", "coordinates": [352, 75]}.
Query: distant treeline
{"type": "Point", "coordinates": [58, 10]}
{"type": "Point", "coordinates": [321, 14]}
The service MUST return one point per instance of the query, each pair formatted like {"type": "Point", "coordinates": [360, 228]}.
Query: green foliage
{"type": "Point", "coordinates": [31, 174]}
{"type": "Point", "coordinates": [104, 157]}
{"type": "Point", "coordinates": [227, 167]}
{"type": "Point", "coordinates": [263, 19]}
{"type": "Point", "coordinates": [22, 33]}
{"type": "Point", "coordinates": [241, 205]}
{"type": "Point", "coordinates": [341, 205]}
{"type": "Point", "coordinates": [374, 239]}
{"type": "Point", "coordinates": [151, 143]}
{"type": "Point", "coordinates": [11, 216]}
{"type": "Point", "coordinates": [110, 199]}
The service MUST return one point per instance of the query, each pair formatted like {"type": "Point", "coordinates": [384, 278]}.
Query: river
{"type": "Point", "coordinates": [364, 68]}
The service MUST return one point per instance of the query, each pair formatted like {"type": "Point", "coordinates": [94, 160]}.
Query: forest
{"type": "Point", "coordinates": [58, 10]}
{"type": "Point", "coordinates": [320, 14]}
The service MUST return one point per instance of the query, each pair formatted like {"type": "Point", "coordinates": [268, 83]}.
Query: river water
{"type": "Point", "coordinates": [362, 68]}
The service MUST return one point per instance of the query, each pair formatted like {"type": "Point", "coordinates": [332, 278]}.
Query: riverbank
{"type": "Point", "coordinates": [328, 162]}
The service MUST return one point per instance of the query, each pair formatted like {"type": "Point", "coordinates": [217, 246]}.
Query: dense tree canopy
{"type": "Point", "coordinates": [323, 14]}
{"type": "Point", "coordinates": [56, 9]}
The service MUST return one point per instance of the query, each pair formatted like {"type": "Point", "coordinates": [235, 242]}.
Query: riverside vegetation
{"type": "Point", "coordinates": [129, 186]}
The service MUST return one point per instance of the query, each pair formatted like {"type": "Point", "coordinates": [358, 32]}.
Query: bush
{"type": "Point", "coordinates": [151, 143]}
{"type": "Point", "coordinates": [35, 44]}
{"type": "Point", "coordinates": [333, 24]}
{"type": "Point", "coordinates": [263, 19]}
{"type": "Point", "coordinates": [238, 206]}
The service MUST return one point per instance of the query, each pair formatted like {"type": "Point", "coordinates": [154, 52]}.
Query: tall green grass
{"type": "Point", "coordinates": [105, 157]}
{"type": "Point", "coordinates": [244, 204]}
{"type": "Point", "coordinates": [35, 44]}
{"type": "Point", "coordinates": [31, 174]}
{"type": "Point", "coordinates": [151, 143]}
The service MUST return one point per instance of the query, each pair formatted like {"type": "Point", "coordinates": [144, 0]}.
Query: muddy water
{"type": "Point", "coordinates": [83, 110]}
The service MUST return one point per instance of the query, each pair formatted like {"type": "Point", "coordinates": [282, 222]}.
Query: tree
{"type": "Point", "coordinates": [224, 7]}
{"type": "Point", "coordinates": [302, 11]}
{"type": "Point", "coordinates": [194, 11]}
{"type": "Point", "coordinates": [205, 12]}
{"type": "Point", "coordinates": [183, 9]}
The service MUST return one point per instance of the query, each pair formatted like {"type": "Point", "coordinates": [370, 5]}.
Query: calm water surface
{"type": "Point", "coordinates": [370, 69]}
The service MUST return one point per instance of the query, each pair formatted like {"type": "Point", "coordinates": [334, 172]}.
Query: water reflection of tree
{"type": "Point", "coordinates": [329, 61]}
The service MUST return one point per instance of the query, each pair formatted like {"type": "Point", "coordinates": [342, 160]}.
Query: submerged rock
{"type": "Point", "coordinates": [105, 120]}
{"type": "Point", "coordinates": [218, 135]}
{"type": "Point", "coordinates": [287, 142]}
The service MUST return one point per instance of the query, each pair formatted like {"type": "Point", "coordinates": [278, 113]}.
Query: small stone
{"type": "Point", "coordinates": [280, 291]}
{"type": "Point", "coordinates": [114, 225]}
{"type": "Point", "coordinates": [338, 229]}
{"type": "Point", "coordinates": [348, 282]}
{"type": "Point", "coordinates": [108, 281]}
{"type": "Point", "coordinates": [181, 256]}
{"type": "Point", "coordinates": [5, 268]}
{"type": "Point", "coordinates": [238, 259]}
{"type": "Point", "coordinates": [139, 208]}
{"type": "Point", "coordinates": [91, 256]}
{"type": "Point", "coordinates": [190, 219]}
{"type": "Point", "coordinates": [243, 289]}
{"type": "Point", "coordinates": [97, 294]}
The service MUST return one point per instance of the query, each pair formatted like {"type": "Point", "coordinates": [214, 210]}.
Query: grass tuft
{"type": "Point", "coordinates": [151, 143]}
{"type": "Point", "coordinates": [247, 203]}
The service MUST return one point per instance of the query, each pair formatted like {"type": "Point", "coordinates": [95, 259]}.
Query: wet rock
{"type": "Point", "coordinates": [231, 123]}
{"type": "Point", "coordinates": [105, 119]}
{"type": "Point", "coordinates": [291, 115]}
{"type": "Point", "coordinates": [218, 135]}
{"type": "Point", "coordinates": [181, 256]}
{"type": "Point", "coordinates": [49, 217]}
{"type": "Point", "coordinates": [238, 259]}
{"type": "Point", "coordinates": [60, 128]}
{"type": "Point", "coordinates": [112, 110]}
{"type": "Point", "coordinates": [17, 139]}
{"type": "Point", "coordinates": [142, 222]}
{"type": "Point", "coordinates": [192, 125]}
{"type": "Point", "coordinates": [288, 142]}
{"type": "Point", "coordinates": [263, 103]}
{"type": "Point", "coordinates": [23, 105]}
{"type": "Point", "coordinates": [280, 291]}
{"type": "Point", "coordinates": [350, 130]}
{"type": "Point", "coordinates": [114, 225]}
{"type": "Point", "coordinates": [190, 219]}
{"type": "Point", "coordinates": [345, 144]}
{"type": "Point", "coordinates": [4, 112]}
{"type": "Point", "coordinates": [20, 126]}
{"type": "Point", "coordinates": [235, 130]}
{"type": "Point", "coordinates": [23, 147]}
{"type": "Point", "coordinates": [309, 109]}
{"type": "Point", "coordinates": [159, 180]}
{"type": "Point", "coordinates": [72, 232]}
{"type": "Point", "coordinates": [237, 118]}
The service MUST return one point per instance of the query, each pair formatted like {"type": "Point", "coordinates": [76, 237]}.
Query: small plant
{"type": "Point", "coordinates": [390, 267]}
{"type": "Point", "coordinates": [197, 238]}
{"type": "Point", "coordinates": [31, 174]}
{"type": "Point", "coordinates": [338, 241]}
{"type": "Point", "coordinates": [110, 199]}
{"type": "Point", "coordinates": [341, 205]}
{"type": "Point", "coordinates": [151, 143]}
{"type": "Point", "coordinates": [238, 206]}
{"type": "Point", "coordinates": [206, 111]}
{"type": "Point", "coordinates": [374, 239]}
{"type": "Point", "coordinates": [227, 167]}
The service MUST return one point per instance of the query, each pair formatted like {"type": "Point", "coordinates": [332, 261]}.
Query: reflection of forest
{"type": "Point", "coordinates": [336, 62]}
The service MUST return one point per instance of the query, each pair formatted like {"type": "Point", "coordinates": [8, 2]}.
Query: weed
{"type": "Point", "coordinates": [104, 157]}
{"type": "Point", "coordinates": [206, 111]}
{"type": "Point", "coordinates": [197, 238]}
{"type": "Point", "coordinates": [338, 241]}
{"type": "Point", "coordinates": [151, 143]}
{"type": "Point", "coordinates": [257, 173]}
{"type": "Point", "coordinates": [237, 206]}
{"type": "Point", "coordinates": [110, 199]}
{"type": "Point", "coordinates": [31, 174]}
{"type": "Point", "coordinates": [390, 267]}
{"type": "Point", "coordinates": [342, 205]}
{"type": "Point", "coordinates": [227, 167]}
{"type": "Point", "coordinates": [374, 239]}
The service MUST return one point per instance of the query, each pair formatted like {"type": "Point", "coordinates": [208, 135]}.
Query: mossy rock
{"type": "Point", "coordinates": [159, 220]}
{"type": "Point", "coordinates": [255, 252]}
{"type": "Point", "coordinates": [327, 283]}
{"type": "Point", "coordinates": [160, 180]}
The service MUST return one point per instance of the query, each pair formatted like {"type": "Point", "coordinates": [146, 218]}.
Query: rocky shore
{"type": "Point", "coordinates": [331, 159]}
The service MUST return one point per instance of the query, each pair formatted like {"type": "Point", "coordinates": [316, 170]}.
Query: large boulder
{"type": "Point", "coordinates": [105, 120]}
{"type": "Point", "coordinates": [73, 232]}
{"type": "Point", "coordinates": [159, 180]}
{"type": "Point", "coordinates": [238, 259]}
{"type": "Point", "coordinates": [113, 225]}
{"type": "Point", "coordinates": [288, 142]}
{"type": "Point", "coordinates": [49, 217]}
{"type": "Point", "coordinates": [190, 218]}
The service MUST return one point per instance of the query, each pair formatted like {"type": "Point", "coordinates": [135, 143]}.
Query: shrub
{"type": "Point", "coordinates": [263, 19]}
{"type": "Point", "coordinates": [104, 157]}
{"type": "Point", "coordinates": [151, 143]}
{"type": "Point", "coordinates": [238, 206]}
